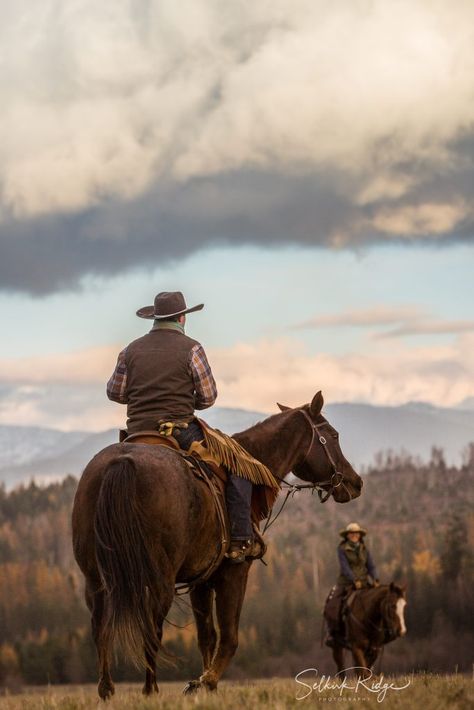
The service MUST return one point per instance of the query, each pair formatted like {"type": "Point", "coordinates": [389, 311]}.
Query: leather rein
{"type": "Point", "coordinates": [333, 482]}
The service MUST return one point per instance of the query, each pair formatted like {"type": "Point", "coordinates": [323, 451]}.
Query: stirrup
{"type": "Point", "coordinates": [239, 550]}
{"type": "Point", "coordinates": [259, 546]}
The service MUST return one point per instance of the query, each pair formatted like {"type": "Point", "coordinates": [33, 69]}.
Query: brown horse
{"type": "Point", "coordinates": [142, 523]}
{"type": "Point", "coordinates": [376, 617]}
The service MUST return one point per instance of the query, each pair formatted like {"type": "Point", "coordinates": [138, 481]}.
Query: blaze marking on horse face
{"type": "Point", "coordinates": [400, 613]}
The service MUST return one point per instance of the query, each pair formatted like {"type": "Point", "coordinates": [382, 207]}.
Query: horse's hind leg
{"type": "Point", "coordinates": [151, 684]}
{"type": "Point", "coordinates": [202, 598]}
{"type": "Point", "coordinates": [95, 599]}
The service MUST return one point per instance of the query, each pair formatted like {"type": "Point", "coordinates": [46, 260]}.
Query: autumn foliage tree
{"type": "Point", "coordinates": [421, 532]}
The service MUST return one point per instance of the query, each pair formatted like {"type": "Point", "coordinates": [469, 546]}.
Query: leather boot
{"type": "Point", "coordinates": [238, 551]}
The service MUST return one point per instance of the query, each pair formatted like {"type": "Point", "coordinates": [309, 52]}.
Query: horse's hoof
{"type": "Point", "coordinates": [105, 690]}
{"type": "Point", "coordinates": [150, 689]}
{"type": "Point", "coordinates": [192, 687]}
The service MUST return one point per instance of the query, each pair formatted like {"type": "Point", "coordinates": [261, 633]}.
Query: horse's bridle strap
{"type": "Point", "coordinates": [336, 477]}
{"type": "Point", "coordinates": [323, 493]}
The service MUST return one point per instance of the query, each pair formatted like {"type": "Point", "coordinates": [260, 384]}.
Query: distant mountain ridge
{"type": "Point", "coordinates": [47, 454]}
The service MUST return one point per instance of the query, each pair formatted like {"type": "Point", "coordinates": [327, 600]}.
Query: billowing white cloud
{"type": "Point", "coordinates": [60, 406]}
{"type": "Point", "coordinates": [81, 367]}
{"type": "Point", "coordinates": [375, 316]}
{"type": "Point", "coordinates": [428, 326]}
{"type": "Point", "coordinates": [107, 101]}
{"type": "Point", "coordinates": [255, 375]}
{"type": "Point", "coordinates": [69, 393]}
{"type": "Point", "coordinates": [405, 320]}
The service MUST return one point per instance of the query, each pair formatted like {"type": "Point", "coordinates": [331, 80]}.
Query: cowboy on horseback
{"type": "Point", "coordinates": [357, 571]}
{"type": "Point", "coordinates": [142, 524]}
{"type": "Point", "coordinates": [163, 377]}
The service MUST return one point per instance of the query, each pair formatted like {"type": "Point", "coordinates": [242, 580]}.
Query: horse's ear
{"type": "Point", "coordinates": [397, 589]}
{"type": "Point", "coordinates": [316, 405]}
{"type": "Point", "coordinates": [282, 407]}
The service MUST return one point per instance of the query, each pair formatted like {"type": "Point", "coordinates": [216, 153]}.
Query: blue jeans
{"type": "Point", "coordinates": [238, 490]}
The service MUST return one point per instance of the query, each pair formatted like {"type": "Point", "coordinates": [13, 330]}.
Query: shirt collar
{"type": "Point", "coordinates": [168, 325]}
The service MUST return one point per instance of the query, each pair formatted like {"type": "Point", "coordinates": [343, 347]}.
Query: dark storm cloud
{"type": "Point", "coordinates": [136, 133]}
{"type": "Point", "coordinates": [52, 253]}
{"type": "Point", "coordinates": [47, 254]}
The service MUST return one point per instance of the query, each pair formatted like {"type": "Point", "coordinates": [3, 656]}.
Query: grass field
{"type": "Point", "coordinates": [425, 692]}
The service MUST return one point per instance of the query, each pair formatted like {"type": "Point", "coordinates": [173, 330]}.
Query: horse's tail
{"type": "Point", "coordinates": [130, 577]}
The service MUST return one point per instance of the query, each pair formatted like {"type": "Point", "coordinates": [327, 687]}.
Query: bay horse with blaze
{"type": "Point", "coordinates": [374, 617]}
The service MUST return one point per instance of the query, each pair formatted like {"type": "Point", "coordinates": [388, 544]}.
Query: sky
{"type": "Point", "coordinates": [305, 169]}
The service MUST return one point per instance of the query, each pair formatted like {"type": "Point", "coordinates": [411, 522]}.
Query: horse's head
{"type": "Point", "coordinates": [393, 611]}
{"type": "Point", "coordinates": [323, 463]}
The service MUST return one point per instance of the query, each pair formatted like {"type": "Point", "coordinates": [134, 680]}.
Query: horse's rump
{"type": "Point", "coordinates": [132, 579]}
{"type": "Point", "coordinates": [142, 504]}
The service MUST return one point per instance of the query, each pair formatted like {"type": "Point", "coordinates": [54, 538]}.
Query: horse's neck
{"type": "Point", "coordinates": [278, 442]}
{"type": "Point", "coordinates": [375, 609]}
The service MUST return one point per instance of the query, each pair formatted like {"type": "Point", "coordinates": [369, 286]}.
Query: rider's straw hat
{"type": "Point", "coordinates": [167, 304]}
{"type": "Point", "coordinates": [352, 527]}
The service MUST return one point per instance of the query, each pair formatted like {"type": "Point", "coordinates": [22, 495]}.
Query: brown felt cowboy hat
{"type": "Point", "coordinates": [167, 304]}
{"type": "Point", "coordinates": [352, 527]}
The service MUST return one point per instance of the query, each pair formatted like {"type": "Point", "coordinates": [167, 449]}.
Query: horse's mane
{"type": "Point", "coordinates": [260, 426]}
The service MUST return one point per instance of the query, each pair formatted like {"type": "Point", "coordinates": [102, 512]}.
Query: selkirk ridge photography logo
{"type": "Point", "coordinates": [329, 687]}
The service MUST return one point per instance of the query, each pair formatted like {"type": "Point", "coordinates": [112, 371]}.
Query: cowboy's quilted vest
{"type": "Point", "coordinates": [357, 558]}
{"type": "Point", "coordinates": [159, 379]}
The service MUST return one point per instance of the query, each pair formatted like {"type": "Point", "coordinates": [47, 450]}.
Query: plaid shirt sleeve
{"type": "Point", "coordinates": [117, 385]}
{"type": "Point", "coordinates": [204, 383]}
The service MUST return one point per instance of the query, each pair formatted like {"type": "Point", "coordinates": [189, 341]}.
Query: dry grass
{"type": "Point", "coordinates": [427, 692]}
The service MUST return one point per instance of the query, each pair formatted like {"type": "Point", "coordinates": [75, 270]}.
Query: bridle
{"type": "Point", "coordinates": [388, 628]}
{"type": "Point", "coordinates": [336, 479]}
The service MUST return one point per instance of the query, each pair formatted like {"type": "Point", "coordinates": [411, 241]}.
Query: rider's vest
{"type": "Point", "coordinates": [159, 379]}
{"type": "Point", "coordinates": [357, 558]}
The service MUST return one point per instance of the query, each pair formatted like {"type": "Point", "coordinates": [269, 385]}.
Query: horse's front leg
{"type": "Point", "coordinates": [338, 655]}
{"type": "Point", "coordinates": [360, 661]}
{"type": "Point", "coordinates": [202, 599]}
{"type": "Point", "coordinates": [230, 585]}
{"type": "Point", "coordinates": [371, 656]}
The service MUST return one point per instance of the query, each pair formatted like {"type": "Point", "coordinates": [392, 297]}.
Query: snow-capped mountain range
{"type": "Point", "coordinates": [46, 454]}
